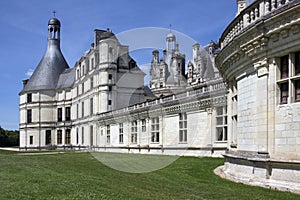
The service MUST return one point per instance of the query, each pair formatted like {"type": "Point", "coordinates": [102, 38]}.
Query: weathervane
{"type": "Point", "coordinates": [170, 28]}
{"type": "Point", "coordinates": [54, 12]}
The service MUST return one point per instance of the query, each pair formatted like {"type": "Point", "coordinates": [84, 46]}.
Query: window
{"type": "Point", "coordinates": [221, 123]}
{"type": "Point", "coordinates": [143, 125]}
{"type": "Point", "coordinates": [68, 113]}
{"type": "Point", "coordinates": [59, 137]}
{"type": "Point", "coordinates": [82, 109]}
{"type": "Point", "coordinates": [92, 63]}
{"type": "Point", "coordinates": [297, 63]}
{"type": "Point", "coordinates": [29, 97]}
{"type": "Point", "coordinates": [77, 111]}
{"type": "Point", "coordinates": [31, 140]}
{"type": "Point", "coordinates": [91, 106]}
{"type": "Point", "coordinates": [91, 135]}
{"type": "Point", "coordinates": [284, 66]}
{"type": "Point", "coordinates": [82, 135]}
{"type": "Point", "coordinates": [48, 137]}
{"type": "Point", "coordinates": [134, 132]}
{"type": "Point", "coordinates": [77, 136]}
{"type": "Point", "coordinates": [297, 90]}
{"type": "Point", "coordinates": [78, 74]}
{"type": "Point", "coordinates": [108, 134]}
{"type": "Point", "coordinates": [29, 116]}
{"type": "Point", "coordinates": [68, 136]}
{"type": "Point", "coordinates": [155, 129]}
{"type": "Point", "coordinates": [109, 102]}
{"type": "Point", "coordinates": [161, 73]}
{"type": "Point", "coordinates": [59, 114]}
{"type": "Point", "coordinates": [284, 93]}
{"type": "Point", "coordinates": [121, 133]}
{"type": "Point", "coordinates": [92, 83]}
{"type": "Point", "coordinates": [82, 88]}
{"type": "Point", "coordinates": [288, 83]}
{"type": "Point", "coordinates": [182, 127]}
{"type": "Point", "coordinates": [109, 76]}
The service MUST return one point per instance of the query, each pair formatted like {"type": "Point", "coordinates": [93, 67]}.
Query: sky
{"type": "Point", "coordinates": [23, 35]}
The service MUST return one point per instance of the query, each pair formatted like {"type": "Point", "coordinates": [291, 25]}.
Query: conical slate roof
{"type": "Point", "coordinates": [51, 66]}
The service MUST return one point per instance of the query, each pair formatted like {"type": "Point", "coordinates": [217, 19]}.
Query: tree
{"type": "Point", "coordinates": [8, 138]}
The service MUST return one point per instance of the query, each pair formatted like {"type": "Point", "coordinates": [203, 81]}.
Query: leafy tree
{"type": "Point", "coordinates": [8, 138]}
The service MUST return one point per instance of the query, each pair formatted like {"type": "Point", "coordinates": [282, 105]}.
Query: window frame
{"type": "Point", "coordinates": [155, 133]}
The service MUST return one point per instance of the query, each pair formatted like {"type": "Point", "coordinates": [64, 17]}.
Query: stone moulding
{"type": "Point", "coordinates": [265, 171]}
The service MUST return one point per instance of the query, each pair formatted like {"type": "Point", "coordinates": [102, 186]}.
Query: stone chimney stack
{"type": "Point", "coordinates": [241, 4]}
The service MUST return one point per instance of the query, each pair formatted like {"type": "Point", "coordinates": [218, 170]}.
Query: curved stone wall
{"type": "Point", "coordinates": [260, 61]}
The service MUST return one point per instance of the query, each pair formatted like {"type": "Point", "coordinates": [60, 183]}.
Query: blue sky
{"type": "Point", "coordinates": [23, 35]}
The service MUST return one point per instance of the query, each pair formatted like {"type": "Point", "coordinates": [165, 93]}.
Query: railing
{"type": "Point", "coordinates": [204, 89]}
{"type": "Point", "coordinates": [253, 13]}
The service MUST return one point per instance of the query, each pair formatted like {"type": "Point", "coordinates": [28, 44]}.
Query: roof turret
{"type": "Point", "coordinates": [52, 65]}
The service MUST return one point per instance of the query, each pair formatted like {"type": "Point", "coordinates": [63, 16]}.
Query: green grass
{"type": "Point", "coordinates": [73, 175]}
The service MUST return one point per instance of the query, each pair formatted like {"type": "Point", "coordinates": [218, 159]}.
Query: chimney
{"type": "Point", "coordinates": [25, 82]}
{"type": "Point", "coordinates": [241, 4]}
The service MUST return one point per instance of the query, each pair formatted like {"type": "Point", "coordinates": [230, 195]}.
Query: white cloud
{"type": "Point", "coordinates": [29, 72]}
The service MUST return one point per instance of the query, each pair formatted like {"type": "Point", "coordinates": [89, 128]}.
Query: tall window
{"type": "Point", "coordinates": [155, 129]}
{"type": "Point", "coordinates": [134, 132]}
{"type": "Point", "coordinates": [92, 63]}
{"type": "Point", "coordinates": [29, 97]}
{"type": "Point", "coordinates": [68, 113]}
{"type": "Point", "coordinates": [59, 136]}
{"type": "Point", "coordinates": [77, 136]}
{"type": "Point", "coordinates": [82, 88]}
{"type": "Point", "coordinates": [29, 116]}
{"type": "Point", "coordinates": [284, 66]}
{"type": "Point", "coordinates": [297, 90]}
{"type": "Point", "coordinates": [68, 136]}
{"type": "Point", "coordinates": [182, 127]}
{"type": "Point", "coordinates": [91, 106]}
{"type": "Point", "coordinates": [82, 135]}
{"type": "Point", "coordinates": [82, 109]}
{"type": "Point", "coordinates": [297, 63]}
{"type": "Point", "coordinates": [91, 135]}
{"type": "Point", "coordinates": [59, 114]}
{"type": "Point", "coordinates": [77, 111]}
{"type": "Point", "coordinates": [143, 125]}
{"type": "Point", "coordinates": [31, 139]}
{"type": "Point", "coordinates": [108, 134]}
{"type": "Point", "coordinates": [92, 83]}
{"type": "Point", "coordinates": [109, 76]}
{"type": "Point", "coordinates": [48, 137]}
{"type": "Point", "coordinates": [284, 93]}
{"type": "Point", "coordinates": [121, 133]}
{"type": "Point", "coordinates": [288, 83]}
{"type": "Point", "coordinates": [221, 123]}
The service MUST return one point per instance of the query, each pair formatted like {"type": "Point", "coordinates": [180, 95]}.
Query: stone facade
{"type": "Point", "coordinates": [260, 62]}
{"type": "Point", "coordinates": [102, 104]}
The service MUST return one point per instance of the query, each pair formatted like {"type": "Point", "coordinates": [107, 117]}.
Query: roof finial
{"type": "Point", "coordinates": [170, 28]}
{"type": "Point", "coordinates": [54, 12]}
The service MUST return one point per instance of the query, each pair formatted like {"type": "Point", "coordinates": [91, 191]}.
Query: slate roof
{"type": "Point", "coordinates": [46, 74]}
{"type": "Point", "coordinates": [66, 79]}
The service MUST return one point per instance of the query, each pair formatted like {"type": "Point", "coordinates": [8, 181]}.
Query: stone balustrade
{"type": "Point", "coordinates": [248, 17]}
{"type": "Point", "coordinates": [203, 90]}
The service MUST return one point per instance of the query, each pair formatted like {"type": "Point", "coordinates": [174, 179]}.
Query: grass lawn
{"type": "Point", "coordinates": [73, 175]}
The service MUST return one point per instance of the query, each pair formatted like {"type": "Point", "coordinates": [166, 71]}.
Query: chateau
{"type": "Point", "coordinates": [239, 98]}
